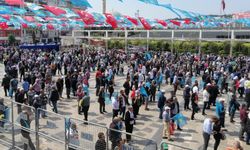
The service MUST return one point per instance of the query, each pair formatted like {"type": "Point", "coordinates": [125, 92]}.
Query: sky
{"type": "Point", "coordinates": [205, 7]}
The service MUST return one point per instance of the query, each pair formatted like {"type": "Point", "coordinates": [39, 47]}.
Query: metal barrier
{"type": "Point", "coordinates": [24, 126]}
{"type": "Point", "coordinates": [86, 132]}
{"type": "Point", "coordinates": [171, 146]}
{"type": "Point", "coordinates": [52, 129]}
{"type": "Point", "coordinates": [136, 142]}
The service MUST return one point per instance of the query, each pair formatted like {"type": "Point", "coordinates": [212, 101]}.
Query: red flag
{"type": "Point", "coordinates": [223, 4]}
{"type": "Point", "coordinates": [145, 24]}
{"type": "Point", "coordinates": [133, 20]}
{"type": "Point", "coordinates": [110, 19]}
{"type": "Point", "coordinates": [38, 24]}
{"type": "Point", "coordinates": [24, 25]}
{"type": "Point", "coordinates": [175, 22]}
{"type": "Point", "coordinates": [187, 21]}
{"type": "Point", "coordinates": [3, 25]}
{"type": "Point", "coordinates": [15, 2]}
{"type": "Point", "coordinates": [87, 18]}
{"type": "Point", "coordinates": [7, 17]}
{"type": "Point", "coordinates": [55, 10]}
{"type": "Point", "coordinates": [29, 18]}
{"type": "Point", "coordinates": [50, 27]}
{"type": "Point", "coordinates": [162, 22]}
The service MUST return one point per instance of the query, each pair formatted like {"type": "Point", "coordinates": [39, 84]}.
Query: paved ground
{"type": "Point", "coordinates": [148, 125]}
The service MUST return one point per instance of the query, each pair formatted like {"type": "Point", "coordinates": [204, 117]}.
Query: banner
{"type": "Point", "coordinates": [180, 120]}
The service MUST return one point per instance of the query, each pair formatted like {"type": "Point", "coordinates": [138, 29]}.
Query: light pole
{"type": "Point", "coordinates": [103, 6]}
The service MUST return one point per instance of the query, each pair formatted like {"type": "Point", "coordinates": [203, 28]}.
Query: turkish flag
{"type": "Point", "coordinates": [175, 22]}
{"type": "Point", "coordinates": [24, 25]}
{"type": "Point", "coordinates": [187, 21]}
{"type": "Point", "coordinates": [29, 18]}
{"type": "Point", "coordinates": [133, 20]}
{"type": "Point", "coordinates": [7, 17]}
{"type": "Point", "coordinates": [145, 24]}
{"type": "Point", "coordinates": [110, 19]}
{"type": "Point", "coordinates": [15, 2]}
{"type": "Point", "coordinates": [3, 25]}
{"type": "Point", "coordinates": [87, 18]}
{"type": "Point", "coordinates": [50, 27]}
{"type": "Point", "coordinates": [162, 22]}
{"type": "Point", "coordinates": [55, 10]}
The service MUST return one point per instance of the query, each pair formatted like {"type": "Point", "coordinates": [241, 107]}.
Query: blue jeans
{"type": "Point", "coordinates": [54, 103]}
{"type": "Point", "coordinates": [248, 138]}
{"type": "Point", "coordinates": [161, 111]}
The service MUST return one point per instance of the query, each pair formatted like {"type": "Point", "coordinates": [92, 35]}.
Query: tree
{"type": "Point", "coordinates": [11, 39]}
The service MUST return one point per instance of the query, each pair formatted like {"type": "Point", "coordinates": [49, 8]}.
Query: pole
{"type": "Point", "coordinates": [106, 40]}
{"type": "Point", "coordinates": [200, 37]}
{"type": "Point", "coordinates": [103, 6]}
{"type": "Point", "coordinates": [147, 40]}
{"type": "Point", "coordinates": [231, 43]}
{"type": "Point", "coordinates": [12, 125]}
{"type": "Point", "coordinates": [37, 128]}
{"type": "Point", "coordinates": [126, 41]}
{"type": "Point", "coordinates": [172, 42]}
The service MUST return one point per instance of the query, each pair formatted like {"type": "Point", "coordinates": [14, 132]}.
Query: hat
{"type": "Point", "coordinates": [221, 100]}
{"type": "Point", "coordinates": [186, 86]}
{"type": "Point", "coordinates": [195, 89]}
{"type": "Point", "coordinates": [235, 78]}
{"type": "Point", "coordinates": [163, 91]}
{"type": "Point", "coordinates": [167, 108]}
{"type": "Point", "coordinates": [208, 84]}
{"type": "Point", "coordinates": [36, 96]}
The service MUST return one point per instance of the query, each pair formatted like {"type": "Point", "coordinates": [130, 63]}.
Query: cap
{"type": "Point", "coordinates": [208, 84]}
{"type": "Point", "coordinates": [163, 91]}
{"type": "Point", "coordinates": [186, 86]}
{"type": "Point", "coordinates": [36, 96]}
{"type": "Point", "coordinates": [235, 78]}
{"type": "Point", "coordinates": [167, 108]}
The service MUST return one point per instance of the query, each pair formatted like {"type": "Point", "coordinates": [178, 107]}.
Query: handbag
{"type": "Point", "coordinates": [223, 136]}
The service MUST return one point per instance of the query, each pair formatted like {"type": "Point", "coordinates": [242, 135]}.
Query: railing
{"type": "Point", "coordinates": [24, 126]}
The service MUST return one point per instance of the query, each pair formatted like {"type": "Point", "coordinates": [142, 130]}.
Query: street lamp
{"type": "Point", "coordinates": [103, 6]}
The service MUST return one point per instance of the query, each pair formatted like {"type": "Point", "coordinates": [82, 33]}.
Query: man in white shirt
{"type": "Point", "coordinates": [241, 87]}
{"type": "Point", "coordinates": [205, 99]}
{"type": "Point", "coordinates": [207, 130]}
{"type": "Point", "coordinates": [115, 105]}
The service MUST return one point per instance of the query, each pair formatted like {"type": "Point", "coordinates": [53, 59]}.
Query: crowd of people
{"type": "Point", "coordinates": [39, 79]}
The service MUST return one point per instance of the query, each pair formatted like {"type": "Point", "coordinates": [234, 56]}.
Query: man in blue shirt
{"type": "Point", "coordinates": [207, 130]}
{"type": "Point", "coordinates": [26, 87]}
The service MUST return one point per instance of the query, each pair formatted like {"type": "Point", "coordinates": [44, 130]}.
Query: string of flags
{"type": "Point", "coordinates": [58, 18]}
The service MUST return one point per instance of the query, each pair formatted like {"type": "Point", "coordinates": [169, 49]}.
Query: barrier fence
{"type": "Point", "coordinates": [22, 127]}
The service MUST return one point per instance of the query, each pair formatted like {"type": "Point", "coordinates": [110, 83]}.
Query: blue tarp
{"type": "Point", "coordinates": [42, 47]}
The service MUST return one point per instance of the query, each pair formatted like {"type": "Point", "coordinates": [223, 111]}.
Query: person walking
{"type": "Point", "coordinates": [161, 102]}
{"type": "Point", "coordinates": [101, 100]}
{"type": "Point", "coordinates": [186, 97]}
{"type": "Point", "coordinates": [243, 121]}
{"type": "Point", "coordinates": [54, 97]}
{"type": "Point", "coordinates": [6, 84]}
{"type": "Point", "coordinates": [233, 106]}
{"type": "Point", "coordinates": [166, 123]}
{"type": "Point", "coordinates": [220, 112]}
{"type": "Point", "coordinates": [129, 122]}
{"type": "Point", "coordinates": [85, 105]}
{"type": "Point", "coordinates": [217, 133]}
{"type": "Point", "coordinates": [205, 99]}
{"type": "Point", "coordinates": [101, 143]}
{"type": "Point", "coordinates": [207, 130]}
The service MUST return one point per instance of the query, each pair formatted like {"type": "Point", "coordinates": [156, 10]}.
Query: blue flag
{"type": "Point", "coordinates": [180, 120]}
{"type": "Point", "coordinates": [143, 92]}
{"type": "Point", "coordinates": [81, 3]}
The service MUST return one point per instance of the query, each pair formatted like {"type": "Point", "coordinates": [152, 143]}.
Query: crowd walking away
{"type": "Point", "coordinates": [211, 86]}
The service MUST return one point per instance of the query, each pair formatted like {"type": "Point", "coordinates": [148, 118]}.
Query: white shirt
{"type": "Point", "coordinates": [242, 82]}
{"type": "Point", "coordinates": [131, 116]}
{"type": "Point", "coordinates": [115, 104]}
{"type": "Point", "coordinates": [207, 126]}
{"type": "Point", "coordinates": [205, 96]}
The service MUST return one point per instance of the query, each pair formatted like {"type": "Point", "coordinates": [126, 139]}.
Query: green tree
{"type": "Point", "coordinates": [12, 40]}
